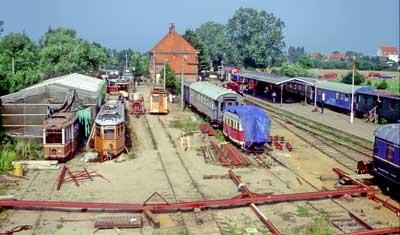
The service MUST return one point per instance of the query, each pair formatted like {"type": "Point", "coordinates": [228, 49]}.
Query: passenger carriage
{"type": "Point", "coordinates": [386, 159]}
{"type": "Point", "coordinates": [158, 101]}
{"type": "Point", "coordinates": [110, 129]}
{"type": "Point", "coordinates": [60, 136]}
{"type": "Point", "coordinates": [112, 83]}
{"type": "Point", "coordinates": [210, 99]}
{"type": "Point", "coordinates": [248, 126]}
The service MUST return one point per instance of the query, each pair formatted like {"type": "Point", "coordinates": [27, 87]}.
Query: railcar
{"type": "Point", "coordinates": [158, 101]}
{"type": "Point", "coordinates": [112, 83]}
{"type": "Point", "coordinates": [386, 159]}
{"type": "Point", "coordinates": [110, 129]}
{"type": "Point", "coordinates": [380, 103]}
{"type": "Point", "coordinates": [60, 136]}
{"type": "Point", "coordinates": [210, 99]}
{"type": "Point", "coordinates": [248, 126]}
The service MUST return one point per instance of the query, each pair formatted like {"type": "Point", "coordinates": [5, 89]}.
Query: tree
{"type": "Point", "coordinates": [172, 83]}
{"type": "Point", "coordinates": [214, 36]}
{"type": "Point", "coordinates": [291, 70]}
{"type": "Point", "coordinates": [305, 62]}
{"type": "Point", "coordinates": [258, 37]}
{"type": "Point", "coordinates": [358, 78]}
{"type": "Point", "coordinates": [140, 63]}
{"type": "Point", "coordinates": [1, 26]}
{"type": "Point", "coordinates": [62, 53]}
{"type": "Point", "coordinates": [382, 85]}
{"type": "Point", "coordinates": [204, 58]}
{"type": "Point", "coordinates": [295, 53]}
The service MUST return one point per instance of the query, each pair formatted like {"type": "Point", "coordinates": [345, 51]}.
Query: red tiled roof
{"type": "Point", "coordinates": [173, 43]}
{"type": "Point", "coordinates": [386, 50]}
{"type": "Point", "coordinates": [337, 56]}
{"type": "Point", "coordinates": [314, 54]}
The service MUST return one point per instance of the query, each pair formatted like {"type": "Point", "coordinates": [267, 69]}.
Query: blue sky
{"type": "Point", "coordinates": [318, 25]}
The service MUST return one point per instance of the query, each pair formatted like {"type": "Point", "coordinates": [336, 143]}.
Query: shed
{"type": "Point", "coordinates": [23, 112]}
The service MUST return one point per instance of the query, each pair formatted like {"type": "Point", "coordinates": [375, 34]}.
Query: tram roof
{"type": "Point", "coordinates": [211, 90]}
{"type": "Point", "coordinates": [390, 133]}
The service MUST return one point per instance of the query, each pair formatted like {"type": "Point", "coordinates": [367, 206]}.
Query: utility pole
{"type": "Point", "coordinates": [315, 90]}
{"type": "Point", "coordinates": [165, 68]}
{"type": "Point", "coordinates": [184, 57]}
{"type": "Point", "coordinates": [352, 91]}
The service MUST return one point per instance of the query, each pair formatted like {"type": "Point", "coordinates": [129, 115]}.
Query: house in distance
{"type": "Point", "coordinates": [175, 51]}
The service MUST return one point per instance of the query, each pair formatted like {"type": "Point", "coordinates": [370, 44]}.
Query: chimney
{"type": "Point", "coordinates": [172, 28]}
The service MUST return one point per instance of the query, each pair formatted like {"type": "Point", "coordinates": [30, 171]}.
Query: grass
{"type": "Point", "coordinates": [319, 226]}
{"type": "Point", "coordinates": [14, 150]}
{"type": "Point", "coordinates": [188, 124]}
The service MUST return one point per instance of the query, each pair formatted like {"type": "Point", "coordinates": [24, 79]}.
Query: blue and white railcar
{"type": "Point", "coordinates": [386, 161]}
{"type": "Point", "coordinates": [210, 99]}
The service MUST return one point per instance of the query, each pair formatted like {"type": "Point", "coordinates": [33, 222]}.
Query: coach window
{"type": "Point", "coordinates": [98, 130]}
{"type": "Point", "coordinates": [346, 97]}
{"type": "Point", "coordinates": [390, 153]}
{"type": "Point", "coordinates": [391, 105]}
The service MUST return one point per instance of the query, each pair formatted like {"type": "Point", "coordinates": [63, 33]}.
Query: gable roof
{"type": "Point", "coordinates": [173, 43]}
{"type": "Point", "coordinates": [337, 56]}
{"type": "Point", "coordinates": [388, 50]}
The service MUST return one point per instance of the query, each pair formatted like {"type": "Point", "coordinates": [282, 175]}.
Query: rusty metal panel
{"type": "Point", "coordinates": [119, 222]}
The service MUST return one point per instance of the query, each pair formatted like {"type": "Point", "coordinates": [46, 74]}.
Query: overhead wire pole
{"type": "Point", "coordinates": [184, 57]}
{"type": "Point", "coordinates": [352, 91]}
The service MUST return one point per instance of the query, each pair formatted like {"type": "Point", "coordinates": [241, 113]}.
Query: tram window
{"type": "Point", "coordinates": [109, 133]}
{"type": "Point", "coordinates": [155, 99]}
{"type": "Point", "coordinates": [390, 153]}
{"type": "Point", "coordinates": [53, 136]}
{"type": "Point", "coordinates": [98, 130]}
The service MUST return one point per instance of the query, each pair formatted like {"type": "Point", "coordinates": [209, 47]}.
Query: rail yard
{"type": "Point", "coordinates": [285, 190]}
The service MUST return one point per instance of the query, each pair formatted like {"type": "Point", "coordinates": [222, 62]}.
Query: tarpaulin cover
{"type": "Point", "coordinates": [255, 122]}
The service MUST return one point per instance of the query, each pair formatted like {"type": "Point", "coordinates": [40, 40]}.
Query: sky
{"type": "Point", "coordinates": [318, 25]}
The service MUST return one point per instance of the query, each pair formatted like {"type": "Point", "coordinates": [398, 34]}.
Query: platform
{"type": "Point", "coordinates": [331, 118]}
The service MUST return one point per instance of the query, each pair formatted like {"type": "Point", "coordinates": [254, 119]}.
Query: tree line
{"type": "Point", "coordinates": [24, 62]}
{"type": "Point", "coordinates": [251, 39]}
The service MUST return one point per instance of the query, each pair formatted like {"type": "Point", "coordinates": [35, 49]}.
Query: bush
{"type": "Point", "coordinates": [358, 78]}
{"type": "Point", "coordinates": [382, 85]}
{"type": "Point", "coordinates": [291, 70]}
{"type": "Point", "coordinates": [6, 159]}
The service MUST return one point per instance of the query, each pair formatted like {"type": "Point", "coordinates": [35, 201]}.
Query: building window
{"type": "Point", "coordinates": [389, 153]}
{"type": "Point", "coordinates": [53, 136]}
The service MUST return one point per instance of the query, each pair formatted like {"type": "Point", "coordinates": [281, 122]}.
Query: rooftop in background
{"type": "Point", "coordinates": [173, 43]}
{"type": "Point", "coordinates": [388, 50]}
{"type": "Point", "coordinates": [389, 133]}
{"type": "Point", "coordinates": [337, 56]}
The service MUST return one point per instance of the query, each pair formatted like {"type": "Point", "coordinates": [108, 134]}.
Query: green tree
{"type": "Point", "coordinates": [172, 83]}
{"type": "Point", "coordinates": [295, 53]}
{"type": "Point", "coordinates": [141, 64]}
{"type": "Point", "coordinates": [358, 78]}
{"type": "Point", "coordinates": [291, 70]}
{"type": "Point", "coordinates": [258, 36]}
{"type": "Point", "coordinates": [220, 49]}
{"type": "Point", "coordinates": [62, 53]}
{"type": "Point", "coordinates": [1, 26]}
{"type": "Point", "coordinates": [382, 85]}
{"type": "Point", "coordinates": [305, 62]}
{"type": "Point", "coordinates": [204, 58]}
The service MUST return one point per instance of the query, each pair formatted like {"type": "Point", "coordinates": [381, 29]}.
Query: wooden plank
{"type": "Point", "coordinates": [154, 221]}
{"type": "Point", "coordinates": [23, 125]}
{"type": "Point", "coordinates": [25, 114]}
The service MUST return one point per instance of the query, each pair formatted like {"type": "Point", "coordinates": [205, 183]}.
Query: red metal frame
{"type": "Point", "coordinates": [246, 198]}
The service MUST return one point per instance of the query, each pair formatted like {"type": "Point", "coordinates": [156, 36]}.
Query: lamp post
{"type": "Point", "coordinates": [352, 92]}
{"type": "Point", "coordinates": [165, 67]}
{"type": "Point", "coordinates": [184, 57]}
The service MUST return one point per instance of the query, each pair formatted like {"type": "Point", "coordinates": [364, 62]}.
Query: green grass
{"type": "Point", "coordinates": [393, 84]}
{"type": "Point", "coordinates": [187, 125]}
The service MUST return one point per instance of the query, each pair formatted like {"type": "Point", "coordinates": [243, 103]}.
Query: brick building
{"type": "Point", "coordinates": [175, 51]}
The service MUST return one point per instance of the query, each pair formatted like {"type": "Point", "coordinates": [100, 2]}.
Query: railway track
{"type": "Point", "coordinates": [173, 168]}
{"type": "Point", "coordinates": [344, 148]}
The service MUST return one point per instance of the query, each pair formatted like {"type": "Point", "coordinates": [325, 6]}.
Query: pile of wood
{"type": "Point", "coordinates": [207, 129]}
{"type": "Point", "coordinates": [38, 164]}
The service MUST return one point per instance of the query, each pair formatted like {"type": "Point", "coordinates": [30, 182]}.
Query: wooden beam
{"type": "Point", "coordinates": [20, 114]}
{"type": "Point", "coordinates": [22, 125]}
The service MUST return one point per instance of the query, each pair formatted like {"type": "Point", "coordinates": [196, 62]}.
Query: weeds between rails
{"type": "Point", "coordinates": [341, 138]}
{"type": "Point", "coordinates": [195, 185]}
